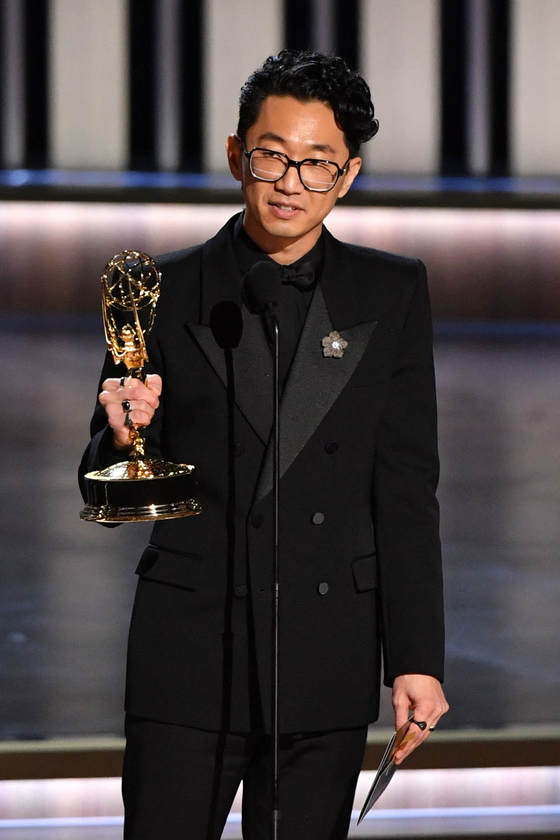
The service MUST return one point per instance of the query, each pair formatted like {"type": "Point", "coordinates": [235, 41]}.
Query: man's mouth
{"type": "Point", "coordinates": [284, 210]}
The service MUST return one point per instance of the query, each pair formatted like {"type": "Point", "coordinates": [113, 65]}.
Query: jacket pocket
{"type": "Point", "coordinates": [172, 567]}
{"type": "Point", "coordinates": [364, 571]}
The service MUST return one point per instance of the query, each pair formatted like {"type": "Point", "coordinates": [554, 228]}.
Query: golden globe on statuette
{"type": "Point", "coordinates": [140, 488]}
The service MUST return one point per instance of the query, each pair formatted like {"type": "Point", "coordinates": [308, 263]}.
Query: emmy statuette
{"type": "Point", "coordinates": [140, 488]}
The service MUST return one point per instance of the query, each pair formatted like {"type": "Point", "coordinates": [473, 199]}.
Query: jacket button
{"type": "Point", "coordinates": [240, 591]}
{"type": "Point", "coordinates": [323, 588]}
{"type": "Point", "coordinates": [318, 518]}
{"type": "Point", "coordinates": [331, 447]}
{"type": "Point", "coordinates": [257, 520]}
{"type": "Point", "coordinates": [238, 450]}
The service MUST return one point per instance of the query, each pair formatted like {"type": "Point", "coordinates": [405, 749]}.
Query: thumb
{"type": "Point", "coordinates": [154, 383]}
{"type": "Point", "coordinates": [401, 707]}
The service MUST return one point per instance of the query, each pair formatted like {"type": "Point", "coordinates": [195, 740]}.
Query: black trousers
{"type": "Point", "coordinates": [179, 783]}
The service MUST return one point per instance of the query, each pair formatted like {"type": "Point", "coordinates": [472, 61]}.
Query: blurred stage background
{"type": "Point", "coordinates": [113, 118]}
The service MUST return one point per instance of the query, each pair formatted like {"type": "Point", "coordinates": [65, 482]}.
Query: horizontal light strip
{"type": "Point", "coordinates": [489, 811]}
{"type": "Point", "coordinates": [194, 180]}
{"type": "Point", "coordinates": [484, 792]}
{"type": "Point", "coordinates": [376, 814]}
{"type": "Point", "coordinates": [61, 822]}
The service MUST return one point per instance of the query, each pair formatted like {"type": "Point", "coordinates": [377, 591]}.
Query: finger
{"type": "Point", "coordinates": [409, 743]}
{"type": "Point", "coordinates": [137, 405]}
{"type": "Point", "coordinates": [154, 383]}
{"type": "Point", "coordinates": [431, 714]}
{"type": "Point", "coordinates": [401, 707]}
{"type": "Point", "coordinates": [116, 416]}
{"type": "Point", "coordinates": [139, 418]}
{"type": "Point", "coordinates": [404, 751]}
{"type": "Point", "coordinates": [115, 405]}
{"type": "Point", "coordinates": [111, 384]}
{"type": "Point", "coordinates": [419, 735]}
{"type": "Point", "coordinates": [122, 439]}
{"type": "Point", "coordinates": [137, 392]}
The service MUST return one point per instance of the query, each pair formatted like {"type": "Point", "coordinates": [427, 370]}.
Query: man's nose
{"type": "Point", "coordinates": [290, 182]}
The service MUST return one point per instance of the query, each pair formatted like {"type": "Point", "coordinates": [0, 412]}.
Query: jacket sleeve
{"type": "Point", "coordinates": [406, 511]}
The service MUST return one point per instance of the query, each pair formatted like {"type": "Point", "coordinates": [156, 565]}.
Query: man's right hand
{"type": "Point", "coordinates": [143, 399]}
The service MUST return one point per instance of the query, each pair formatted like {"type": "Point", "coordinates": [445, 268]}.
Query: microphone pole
{"type": "Point", "coordinates": [260, 291]}
{"type": "Point", "coordinates": [275, 575]}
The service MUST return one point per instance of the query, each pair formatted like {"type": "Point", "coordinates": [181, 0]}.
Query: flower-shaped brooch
{"type": "Point", "coordinates": [334, 345]}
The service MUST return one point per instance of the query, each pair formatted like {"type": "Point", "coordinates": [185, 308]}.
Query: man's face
{"type": "Point", "coordinates": [284, 216]}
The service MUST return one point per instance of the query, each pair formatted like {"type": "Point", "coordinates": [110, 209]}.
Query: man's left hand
{"type": "Point", "coordinates": [423, 695]}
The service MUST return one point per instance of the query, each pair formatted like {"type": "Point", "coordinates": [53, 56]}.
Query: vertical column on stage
{"type": "Point", "coordinates": [399, 48]}
{"type": "Point", "coordinates": [168, 121]}
{"type": "Point", "coordinates": [478, 124]}
{"type": "Point", "coordinates": [535, 87]}
{"type": "Point", "coordinates": [13, 84]}
{"type": "Point", "coordinates": [88, 54]}
{"type": "Point", "coordinates": [323, 25]}
{"type": "Point", "coordinates": [236, 40]}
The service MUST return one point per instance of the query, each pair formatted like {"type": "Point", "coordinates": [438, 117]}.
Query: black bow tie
{"type": "Point", "coordinates": [303, 277]}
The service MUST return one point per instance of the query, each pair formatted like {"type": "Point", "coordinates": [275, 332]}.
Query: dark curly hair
{"type": "Point", "coordinates": [307, 76]}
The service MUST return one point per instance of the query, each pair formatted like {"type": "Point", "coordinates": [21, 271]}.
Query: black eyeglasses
{"type": "Point", "coordinates": [315, 175]}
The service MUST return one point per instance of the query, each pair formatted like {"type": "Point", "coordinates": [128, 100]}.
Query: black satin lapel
{"type": "Point", "coordinates": [252, 360]}
{"type": "Point", "coordinates": [252, 370]}
{"type": "Point", "coordinates": [313, 385]}
{"type": "Point", "coordinates": [252, 365]}
{"type": "Point", "coordinates": [205, 340]}
{"type": "Point", "coordinates": [220, 280]}
{"type": "Point", "coordinates": [220, 274]}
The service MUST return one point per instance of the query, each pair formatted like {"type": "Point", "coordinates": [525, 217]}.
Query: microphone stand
{"type": "Point", "coordinates": [275, 575]}
{"type": "Point", "coordinates": [260, 291]}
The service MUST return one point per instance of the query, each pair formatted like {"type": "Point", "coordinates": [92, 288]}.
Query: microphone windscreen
{"type": "Point", "coordinates": [226, 324]}
{"type": "Point", "coordinates": [261, 287]}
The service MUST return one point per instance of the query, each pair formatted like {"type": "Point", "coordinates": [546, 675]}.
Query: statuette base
{"type": "Point", "coordinates": [140, 491]}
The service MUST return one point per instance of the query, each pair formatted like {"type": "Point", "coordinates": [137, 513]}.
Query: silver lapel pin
{"type": "Point", "coordinates": [334, 345]}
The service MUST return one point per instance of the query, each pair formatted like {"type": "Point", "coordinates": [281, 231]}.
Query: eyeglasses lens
{"type": "Point", "coordinates": [318, 176]}
{"type": "Point", "coordinates": [268, 167]}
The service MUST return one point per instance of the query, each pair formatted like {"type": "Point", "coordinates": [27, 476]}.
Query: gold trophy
{"type": "Point", "coordinates": [141, 488]}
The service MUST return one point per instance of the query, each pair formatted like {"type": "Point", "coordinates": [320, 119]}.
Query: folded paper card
{"type": "Point", "coordinates": [387, 766]}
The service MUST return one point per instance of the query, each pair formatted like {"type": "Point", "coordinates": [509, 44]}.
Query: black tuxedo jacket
{"type": "Point", "coordinates": [360, 565]}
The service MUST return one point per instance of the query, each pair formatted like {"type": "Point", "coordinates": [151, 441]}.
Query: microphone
{"type": "Point", "coordinates": [261, 287]}
{"type": "Point", "coordinates": [226, 324]}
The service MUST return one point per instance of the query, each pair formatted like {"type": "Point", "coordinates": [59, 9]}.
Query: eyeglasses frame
{"type": "Point", "coordinates": [298, 164]}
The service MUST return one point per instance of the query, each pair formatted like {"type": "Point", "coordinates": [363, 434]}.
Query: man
{"type": "Point", "coordinates": [360, 561]}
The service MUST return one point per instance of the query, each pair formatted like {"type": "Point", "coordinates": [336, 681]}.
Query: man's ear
{"type": "Point", "coordinates": [234, 156]}
{"type": "Point", "coordinates": [353, 168]}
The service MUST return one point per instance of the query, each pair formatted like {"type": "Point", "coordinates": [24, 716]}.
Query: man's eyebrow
{"type": "Point", "coordinates": [323, 147]}
{"type": "Point", "coordinates": [269, 135]}
{"type": "Point", "coordinates": [315, 147]}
